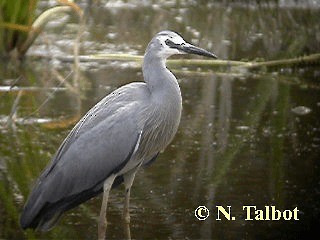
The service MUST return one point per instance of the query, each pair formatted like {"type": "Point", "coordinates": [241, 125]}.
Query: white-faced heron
{"type": "Point", "coordinates": [125, 130]}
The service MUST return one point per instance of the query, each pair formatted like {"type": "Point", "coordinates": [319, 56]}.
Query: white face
{"type": "Point", "coordinates": [167, 51]}
{"type": "Point", "coordinates": [167, 43]}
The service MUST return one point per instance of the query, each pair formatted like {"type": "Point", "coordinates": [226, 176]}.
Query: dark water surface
{"type": "Point", "coordinates": [244, 138]}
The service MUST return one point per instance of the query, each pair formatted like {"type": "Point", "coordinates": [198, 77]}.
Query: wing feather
{"type": "Point", "coordinates": [100, 144]}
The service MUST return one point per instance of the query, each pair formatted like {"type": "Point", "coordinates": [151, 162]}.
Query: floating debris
{"type": "Point", "coordinates": [301, 110]}
{"type": "Point", "coordinates": [16, 88]}
{"type": "Point", "coordinates": [243, 128]}
{"type": "Point", "coordinates": [26, 121]}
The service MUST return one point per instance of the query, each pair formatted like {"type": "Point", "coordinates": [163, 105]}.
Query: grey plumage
{"type": "Point", "coordinates": [126, 129]}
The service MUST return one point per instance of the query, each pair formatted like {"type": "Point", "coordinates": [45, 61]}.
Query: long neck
{"type": "Point", "coordinates": [159, 79]}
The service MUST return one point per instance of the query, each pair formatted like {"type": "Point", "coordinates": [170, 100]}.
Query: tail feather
{"type": "Point", "coordinates": [50, 213]}
{"type": "Point", "coordinates": [48, 221]}
{"type": "Point", "coordinates": [44, 215]}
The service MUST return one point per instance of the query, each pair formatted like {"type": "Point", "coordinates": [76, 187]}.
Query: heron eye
{"type": "Point", "coordinates": [170, 43]}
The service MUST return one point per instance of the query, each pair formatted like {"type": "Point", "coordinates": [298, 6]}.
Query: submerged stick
{"type": "Point", "coordinates": [313, 59]}
{"type": "Point", "coordinates": [14, 108]}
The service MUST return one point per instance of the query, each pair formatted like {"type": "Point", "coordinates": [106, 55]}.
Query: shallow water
{"type": "Point", "coordinates": [244, 139]}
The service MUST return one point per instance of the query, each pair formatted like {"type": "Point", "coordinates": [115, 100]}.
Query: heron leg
{"type": "Point", "coordinates": [102, 225]}
{"type": "Point", "coordinates": [128, 181]}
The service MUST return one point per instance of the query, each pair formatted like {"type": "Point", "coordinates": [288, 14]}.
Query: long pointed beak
{"type": "Point", "coordinates": [189, 48]}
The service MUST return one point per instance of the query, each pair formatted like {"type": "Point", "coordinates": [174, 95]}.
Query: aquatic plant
{"type": "Point", "coordinates": [19, 26]}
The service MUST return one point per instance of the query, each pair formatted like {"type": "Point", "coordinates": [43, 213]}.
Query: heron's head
{"type": "Point", "coordinates": [167, 43]}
